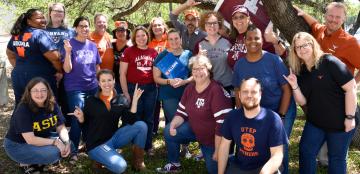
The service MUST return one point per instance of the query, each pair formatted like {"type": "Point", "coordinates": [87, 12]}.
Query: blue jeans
{"type": "Point", "coordinates": [311, 141]}
{"type": "Point", "coordinates": [145, 108]}
{"type": "Point", "coordinates": [170, 105]}
{"type": "Point", "coordinates": [106, 153]}
{"type": "Point", "coordinates": [185, 135]}
{"type": "Point", "coordinates": [288, 124]}
{"type": "Point", "coordinates": [29, 154]}
{"type": "Point", "coordinates": [77, 98]}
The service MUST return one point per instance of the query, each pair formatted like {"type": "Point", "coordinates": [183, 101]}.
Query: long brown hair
{"type": "Point", "coordinates": [27, 100]}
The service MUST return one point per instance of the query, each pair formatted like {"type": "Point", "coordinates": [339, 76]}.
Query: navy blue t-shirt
{"type": "Point", "coordinates": [29, 48]}
{"type": "Point", "coordinates": [269, 70]}
{"type": "Point", "coordinates": [42, 124]}
{"type": "Point", "coordinates": [60, 34]}
{"type": "Point", "coordinates": [254, 137]}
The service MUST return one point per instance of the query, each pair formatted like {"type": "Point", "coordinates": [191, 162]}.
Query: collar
{"type": "Point", "coordinates": [97, 94]}
{"type": "Point", "coordinates": [335, 34]}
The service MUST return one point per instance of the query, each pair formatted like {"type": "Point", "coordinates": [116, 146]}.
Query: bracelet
{"type": "Point", "coordinates": [168, 81]}
{"type": "Point", "coordinates": [295, 88]}
{"type": "Point", "coordinates": [350, 117]}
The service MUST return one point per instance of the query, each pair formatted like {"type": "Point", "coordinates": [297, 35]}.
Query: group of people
{"type": "Point", "coordinates": [216, 89]}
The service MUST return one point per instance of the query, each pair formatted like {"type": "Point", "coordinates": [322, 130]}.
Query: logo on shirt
{"type": "Point", "coordinates": [144, 63]}
{"type": "Point", "coordinates": [22, 44]}
{"type": "Point", "coordinates": [248, 142]}
{"type": "Point", "coordinates": [200, 102]}
{"type": "Point", "coordinates": [45, 124]}
{"type": "Point", "coordinates": [85, 56]}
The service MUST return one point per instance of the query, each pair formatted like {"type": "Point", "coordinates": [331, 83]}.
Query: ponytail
{"type": "Point", "coordinates": [21, 22]}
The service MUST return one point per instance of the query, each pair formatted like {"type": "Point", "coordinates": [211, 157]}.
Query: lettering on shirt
{"type": "Point", "coordinates": [144, 63]}
{"type": "Point", "coordinates": [20, 45]}
{"type": "Point", "coordinates": [56, 35]}
{"type": "Point", "coordinates": [200, 102]}
{"type": "Point", "coordinates": [251, 5]}
{"type": "Point", "coordinates": [237, 48]}
{"type": "Point", "coordinates": [171, 68]}
{"type": "Point", "coordinates": [85, 56]}
{"type": "Point", "coordinates": [248, 142]}
{"type": "Point", "coordinates": [45, 124]}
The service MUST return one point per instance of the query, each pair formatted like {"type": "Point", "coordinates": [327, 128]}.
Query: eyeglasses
{"type": "Point", "coordinates": [303, 46]}
{"type": "Point", "coordinates": [42, 91]}
{"type": "Point", "coordinates": [240, 17]}
{"type": "Point", "coordinates": [209, 24]}
{"type": "Point", "coordinates": [191, 19]}
{"type": "Point", "coordinates": [58, 11]}
{"type": "Point", "coordinates": [83, 26]}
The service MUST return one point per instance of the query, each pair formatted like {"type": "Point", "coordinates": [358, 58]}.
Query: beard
{"type": "Point", "coordinates": [250, 105]}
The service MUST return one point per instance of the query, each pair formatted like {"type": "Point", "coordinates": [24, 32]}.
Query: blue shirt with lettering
{"type": "Point", "coordinates": [60, 34]}
{"type": "Point", "coordinates": [41, 123]}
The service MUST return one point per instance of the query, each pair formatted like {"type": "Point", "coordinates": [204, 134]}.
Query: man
{"type": "Point", "coordinates": [258, 133]}
{"type": "Point", "coordinates": [333, 39]}
{"type": "Point", "coordinates": [189, 30]}
{"type": "Point", "coordinates": [103, 42]}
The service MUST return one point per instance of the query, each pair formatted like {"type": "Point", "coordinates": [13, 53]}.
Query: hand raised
{"type": "Point", "coordinates": [78, 113]}
{"type": "Point", "coordinates": [292, 80]}
{"type": "Point", "coordinates": [137, 93]}
{"type": "Point", "coordinates": [67, 46]}
{"type": "Point", "coordinates": [191, 3]}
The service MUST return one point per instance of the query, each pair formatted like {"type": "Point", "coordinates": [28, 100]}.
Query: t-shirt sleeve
{"type": "Point", "coordinates": [10, 44]}
{"type": "Point", "coordinates": [175, 21]}
{"type": "Point", "coordinates": [339, 71]}
{"type": "Point", "coordinates": [60, 116]}
{"type": "Point", "coordinates": [226, 127]}
{"type": "Point", "coordinates": [315, 27]}
{"type": "Point", "coordinates": [181, 110]}
{"type": "Point", "coordinates": [159, 57]}
{"type": "Point", "coordinates": [45, 42]}
{"type": "Point", "coordinates": [23, 119]}
{"type": "Point", "coordinates": [125, 55]}
{"type": "Point", "coordinates": [277, 132]}
{"type": "Point", "coordinates": [220, 106]}
{"type": "Point", "coordinates": [98, 58]}
{"type": "Point", "coordinates": [281, 70]}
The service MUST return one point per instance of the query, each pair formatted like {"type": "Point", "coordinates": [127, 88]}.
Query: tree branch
{"type": "Point", "coordinates": [355, 26]}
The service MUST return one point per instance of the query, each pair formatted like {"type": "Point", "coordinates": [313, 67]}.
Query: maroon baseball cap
{"type": "Point", "coordinates": [241, 9]}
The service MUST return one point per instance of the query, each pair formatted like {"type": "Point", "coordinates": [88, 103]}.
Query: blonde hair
{"type": "Point", "coordinates": [336, 5]}
{"type": "Point", "coordinates": [151, 32]}
{"type": "Point", "coordinates": [295, 62]}
{"type": "Point", "coordinates": [50, 8]}
{"type": "Point", "coordinates": [200, 60]}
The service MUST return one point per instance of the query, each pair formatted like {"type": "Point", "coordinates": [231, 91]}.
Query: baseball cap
{"type": "Point", "coordinates": [191, 12]}
{"type": "Point", "coordinates": [241, 9]}
{"type": "Point", "coordinates": [121, 26]}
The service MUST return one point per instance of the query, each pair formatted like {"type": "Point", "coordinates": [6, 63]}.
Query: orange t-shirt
{"type": "Point", "coordinates": [340, 44]}
{"type": "Point", "coordinates": [106, 100]}
{"type": "Point", "coordinates": [103, 43]}
{"type": "Point", "coordinates": [159, 45]}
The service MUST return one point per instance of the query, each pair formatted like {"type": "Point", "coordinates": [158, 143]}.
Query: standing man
{"type": "Point", "coordinates": [189, 30]}
{"type": "Point", "coordinates": [258, 133]}
{"type": "Point", "coordinates": [103, 42]}
{"type": "Point", "coordinates": [333, 39]}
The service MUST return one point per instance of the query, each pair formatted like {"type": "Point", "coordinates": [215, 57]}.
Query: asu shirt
{"type": "Point", "coordinates": [42, 124]}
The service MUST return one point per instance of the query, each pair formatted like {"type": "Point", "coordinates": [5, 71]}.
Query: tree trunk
{"type": "Point", "coordinates": [356, 26]}
{"type": "Point", "coordinates": [285, 17]}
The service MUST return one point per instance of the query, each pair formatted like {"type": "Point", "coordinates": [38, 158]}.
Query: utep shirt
{"type": "Point", "coordinates": [29, 49]}
{"type": "Point", "coordinates": [42, 124]}
{"type": "Point", "coordinates": [254, 137]}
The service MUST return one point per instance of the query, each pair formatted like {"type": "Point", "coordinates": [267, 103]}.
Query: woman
{"type": "Point", "coordinates": [58, 31]}
{"type": "Point", "coordinates": [80, 64]}
{"type": "Point", "coordinates": [215, 47]}
{"type": "Point", "coordinates": [172, 85]}
{"type": "Point", "coordinates": [28, 140]}
{"type": "Point", "coordinates": [205, 102]}
{"type": "Point", "coordinates": [322, 83]}
{"type": "Point", "coordinates": [240, 21]}
{"type": "Point", "coordinates": [136, 68]}
{"type": "Point", "coordinates": [122, 38]}
{"type": "Point", "coordinates": [101, 117]}
{"type": "Point", "coordinates": [32, 52]}
{"type": "Point", "coordinates": [158, 41]}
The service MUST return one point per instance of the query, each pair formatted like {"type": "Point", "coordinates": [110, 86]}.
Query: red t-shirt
{"type": "Point", "coordinates": [205, 111]}
{"type": "Point", "coordinates": [340, 44]}
{"type": "Point", "coordinates": [140, 64]}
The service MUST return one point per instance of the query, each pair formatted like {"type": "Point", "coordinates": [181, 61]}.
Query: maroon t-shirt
{"type": "Point", "coordinates": [205, 111]}
{"type": "Point", "coordinates": [140, 63]}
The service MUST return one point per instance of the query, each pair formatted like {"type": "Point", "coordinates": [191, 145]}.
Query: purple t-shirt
{"type": "Point", "coordinates": [84, 58]}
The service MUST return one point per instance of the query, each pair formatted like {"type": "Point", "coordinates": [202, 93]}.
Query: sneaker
{"type": "Point", "coordinates": [199, 156]}
{"type": "Point", "coordinates": [30, 169]}
{"type": "Point", "coordinates": [169, 168]}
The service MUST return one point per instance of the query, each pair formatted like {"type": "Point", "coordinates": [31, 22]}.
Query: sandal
{"type": "Point", "coordinates": [30, 169]}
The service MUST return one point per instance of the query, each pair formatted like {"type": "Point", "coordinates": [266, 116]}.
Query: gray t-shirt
{"type": "Point", "coordinates": [218, 56]}
{"type": "Point", "coordinates": [188, 41]}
